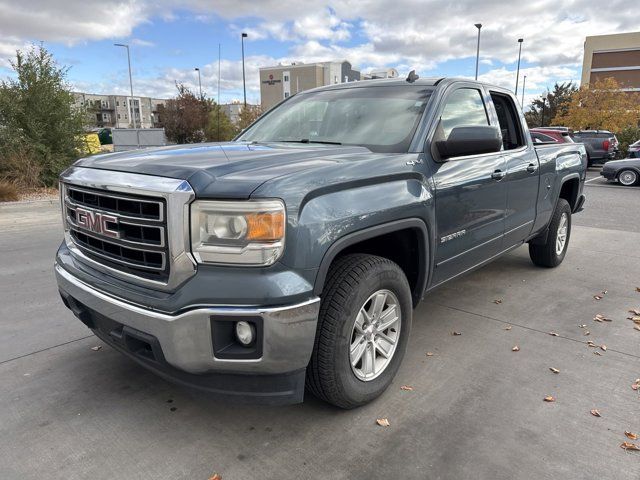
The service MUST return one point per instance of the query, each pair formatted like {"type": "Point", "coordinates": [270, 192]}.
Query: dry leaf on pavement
{"type": "Point", "coordinates": [603, 347]}
{"type": "Point", "coordinates": [582, 326]}
{"type": "Point", "coordinates": [636, 385]}
{"type": "Point", "coordinates": [549, 398]}
{"type": "Point", "coordinates": [497, 302]}
{"type": "Point", "coordinates": [383, 422]}
{"type": "Point", "coordinates": [601, 318]}
{"type": "Point", "coordinates": [429, 354]}
{"type": "Point", "coordinates": [595, 413]}
{"type": "Point", "coordinates": [637, 289]}
{"type": "Point", "coordinates": [587, 332]}
{"type": "Point", "coordinates": [629, 446]}
{"type": "Point", "coordinates": [515, 349]}
{"type": "Point", "coordinates": [591, 344]}
{"type": "Point", "coordinates": [407, 388]}
{"type": "Point", "coordinates": [636, 327]}
{"type": "Point", "coordinates": [635, 311]}
{"type": "Point", "coordinates": [553, 334]}
{"type": "Point", "coordinates": [554, 370]}
{"type": "Point", "coordinates": [96, 348]}
{"type": "Point", "coordinates": [597, 297]}
{"type": "Point", "coordinates": [455, 334]}
{"type": "Point", "coordinates": [597, 353]}
{"type": "Point", "coordinates": [630, 435]}
{"type": "Point", "coordinates": [216, 477]}
{"type": "Point", "coordinates": [508, 327]}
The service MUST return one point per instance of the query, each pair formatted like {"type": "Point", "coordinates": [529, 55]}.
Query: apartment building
{"type": "Point", "coordinates": [616, 56]}
{"type": "Point", "coordinates": [234, 109]}
{"type": "Point", "coordinates": [281, 81]}
{"type": "Point", "coordinates": [119, 111]}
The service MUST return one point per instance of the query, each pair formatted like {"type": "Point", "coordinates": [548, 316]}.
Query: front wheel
{"type": "Point", "coordinates": [363, 327]}
{"type": "Point", "coordinates": [628, 178]}
{"type": "Point", "coordinates": [551, 253]}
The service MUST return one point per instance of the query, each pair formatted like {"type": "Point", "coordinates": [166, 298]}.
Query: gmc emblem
{"type": "Point", "coordinates": [97, 222]}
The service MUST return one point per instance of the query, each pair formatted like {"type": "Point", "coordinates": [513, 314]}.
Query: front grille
{"type": "Point", "coordinates": [124, 232]}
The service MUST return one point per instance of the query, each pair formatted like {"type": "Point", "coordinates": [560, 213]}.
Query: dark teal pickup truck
{"type": "Point", "coordinates": [294, 255]}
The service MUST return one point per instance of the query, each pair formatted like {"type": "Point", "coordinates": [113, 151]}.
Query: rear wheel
{"type": "Point", "coordinates": [552, 252]}
{"type": "Point", "coordinates": [363, 327]}
{"type": "Point", "coordinates": [628, 178]}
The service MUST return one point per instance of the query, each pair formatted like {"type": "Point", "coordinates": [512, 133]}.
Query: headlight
{"type": "Point", "coordinates": [237, 232]}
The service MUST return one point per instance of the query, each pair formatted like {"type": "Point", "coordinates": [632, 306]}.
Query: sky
{"type": "Point", "coordinates": [168, 39]}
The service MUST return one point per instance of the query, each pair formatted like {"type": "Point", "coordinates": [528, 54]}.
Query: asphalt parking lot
{"type": "Point", "coordinates": [476, 409]}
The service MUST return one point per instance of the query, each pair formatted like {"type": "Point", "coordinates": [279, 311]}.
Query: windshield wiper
{"type": "Point", "coordinates": [306, 140]}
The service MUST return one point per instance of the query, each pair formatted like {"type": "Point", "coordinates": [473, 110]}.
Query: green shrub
{"type": "Point", "coordinates": [626, 137]}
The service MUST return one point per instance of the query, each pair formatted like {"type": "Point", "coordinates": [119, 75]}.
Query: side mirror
{"type": "Point", "coordinates": [473, 140]}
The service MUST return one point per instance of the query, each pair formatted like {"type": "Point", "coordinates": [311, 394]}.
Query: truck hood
{"type": "Point", "coordinates": [224, 170]}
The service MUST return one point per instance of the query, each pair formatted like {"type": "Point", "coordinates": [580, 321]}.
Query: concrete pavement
{"type": "Point", "coordinates": [476, 409]}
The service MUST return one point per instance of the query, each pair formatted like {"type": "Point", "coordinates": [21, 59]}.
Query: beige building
{"type": "Point", "coordinates": [616, 56]}
{"type": "Point", "coordinates": [116, 111]}
{"type": "Point", "coordinates": [234, 109]}
{"type": "Point", "coordinates": [281, 81]}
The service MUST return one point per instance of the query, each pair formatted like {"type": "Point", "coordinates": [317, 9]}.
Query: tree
{"type": "Point", "coordinates": [546, 107]}
{"type": "Point", "coordinates": [602, 106]}
{"type": "Point", "coordinates": [249, 115]}
{"type": "Point", "coordinates": [220, 128]}
{"type": "Point", "coordinates": [185, 117]}
{"type": "Point", "coordinates": [40, 124]}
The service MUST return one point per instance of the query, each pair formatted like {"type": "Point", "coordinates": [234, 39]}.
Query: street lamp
{"type": "Point", "coordinates": [520, 40]}
{"type": "Point", "coordinates": [244, 85]}
{"type": "Point", "coordinates": [478, 26]}
{"type": "Point", "coordinates": [524, 83]}
{"type": "Point", "coordinates": [131, 112]}
{"type": "Point", "coordinates": [199, 81]}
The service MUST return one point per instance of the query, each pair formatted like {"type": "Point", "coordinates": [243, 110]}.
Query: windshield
{"type": "Point", "coordinates": [382, 119]}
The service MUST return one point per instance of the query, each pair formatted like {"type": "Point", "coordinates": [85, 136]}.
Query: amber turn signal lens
{"type": "Point", "coordinates": [265, 227]}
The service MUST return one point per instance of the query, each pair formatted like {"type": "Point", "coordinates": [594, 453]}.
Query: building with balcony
{"type": "Point", "coordinates": [119, 111]}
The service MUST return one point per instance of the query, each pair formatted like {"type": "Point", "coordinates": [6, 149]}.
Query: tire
{"type": "Point", "coordinates": [351, 282]}
{"type": "Point", "coordinates": [628, 177]}
{"type": "Point", "coordinates": [548, 254]}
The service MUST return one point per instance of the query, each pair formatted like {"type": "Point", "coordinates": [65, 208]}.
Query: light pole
{"type": "Point", "coordinates": [520, 40]}
{"type": "Point", "coordinates": [524, 83]}
{"type": "Point", "coordinates": [478, 26]}
{"type": "Point", "coordinates": [199, 81]}
{"type": "Point", "coordinates": [244, 85]}
{"type": "Point", "coordinates": [131, 112]}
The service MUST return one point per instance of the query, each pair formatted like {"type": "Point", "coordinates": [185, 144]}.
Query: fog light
{"type": "Point", "coordinates": [245, 333]}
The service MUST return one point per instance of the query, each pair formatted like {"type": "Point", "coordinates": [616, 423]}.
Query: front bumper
{"type": "Point", "coordinates": [181, 346]}
{"type": "Point", "coordinates": [608, 174]}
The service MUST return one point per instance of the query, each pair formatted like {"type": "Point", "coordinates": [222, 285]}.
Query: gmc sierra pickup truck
{"type": "Point", "coordinates": [294, 255]}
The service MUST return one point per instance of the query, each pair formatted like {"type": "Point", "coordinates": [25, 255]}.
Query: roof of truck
{"type": "Point", "coordinates": [399, 81]}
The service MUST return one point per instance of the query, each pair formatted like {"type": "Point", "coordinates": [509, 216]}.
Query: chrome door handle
{"type": "Point", "coordinates": [498, 175]}
{"type": "Point", "coordinates": [532, 168]}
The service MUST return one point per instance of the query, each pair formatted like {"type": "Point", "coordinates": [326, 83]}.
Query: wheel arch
{"type": "Point", "coordinates": [381, 240]}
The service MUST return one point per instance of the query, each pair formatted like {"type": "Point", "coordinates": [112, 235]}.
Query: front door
{"type": "Point", "coordinates": [470, 195]}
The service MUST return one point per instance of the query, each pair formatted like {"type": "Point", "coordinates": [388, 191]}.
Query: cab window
{"type": "Point", "coordinates": [463, 108]}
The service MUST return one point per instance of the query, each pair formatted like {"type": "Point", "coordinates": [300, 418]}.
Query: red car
{"type": "Point", "coordinates": [543, 135]}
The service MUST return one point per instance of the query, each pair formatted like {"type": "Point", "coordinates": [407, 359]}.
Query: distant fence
{"type": "Point", "coordinates": [134, 138]}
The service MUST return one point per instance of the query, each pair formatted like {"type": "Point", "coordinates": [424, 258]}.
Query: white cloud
{"type": "Point", "coordinates": [139, 42]}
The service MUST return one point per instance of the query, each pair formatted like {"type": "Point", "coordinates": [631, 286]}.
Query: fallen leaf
{"type": "Point", "coordinates": [497, 302]}
{"type": "Point", "coordinates": [383, 422]}
{"type": "Point", "coordinates": [597, 297]}
{"type": "Point", "coordinates": [587, 332]}
{"type": "Point", "coordinates": [635, 311]}
{"type": "Point", "coordinates": [630, 435]}
{"type": "Point", "coordinates": [603, 347]}
{"type": "Point", "coordinates": [601, 318]}
{"type": "Point", "coordinates": [636, 385]}
{"type": "Point", "coordinates": [554, 370]}
{"type": "Point", "coordinates": [549, 398]}
{"type": "Point", "coordinates": [637, 289]}
{"type": "Point", "coordinates": [604, 292]}
{"type": "Point", "coordinates": [553, 334]}
{"type": "Point", "coordinates": [595, 413]}
{"type": "Point", "coordinates": [582, 326]}
{"type": "Point", "coordinates": [429, 354]}
{"type": "Point", "coordinates": [407, 388]}
{"type": "Point", "coordinates": [515, 349]}
{"type": "Point", "coordinates": [597, 353]}
{"type": "Point", "coordinates": [629, 446]}
{"type": "Point", "coordinates": [636, 327]}
{"type": "Point", "coordinates": [635, 319]}
{"type": "Point", "coordinates": [455, 334]}
{"type": "Point", "coordinates": [96, 348]}
{"type": "Point", "coordinates": [508, 327]}
{"type": "Point", "coordinates": [591, 344]}
{"type": "Point", "coordinates": [216, 477]}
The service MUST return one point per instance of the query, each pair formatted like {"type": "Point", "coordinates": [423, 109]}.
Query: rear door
{"type": "Point", "coordinates": [470, 196]}
{"type": "Point", "coordinates": [522, 167]}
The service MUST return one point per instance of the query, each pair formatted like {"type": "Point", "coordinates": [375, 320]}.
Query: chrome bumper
{"type": "Point", "coordinates": [186, 338]}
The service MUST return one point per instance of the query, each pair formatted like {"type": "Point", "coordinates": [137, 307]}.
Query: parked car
{"type": "Point", "coordinates": [601, 145]}
{"type": "Point", "coordinates": [558, 136]}
{"type": "Point", "coordinates": [634, 150]}
{"type": "Point", "coordinates": [296, 253]}
{"type": "Point", "coordinates": [626, 171]}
